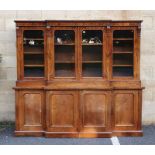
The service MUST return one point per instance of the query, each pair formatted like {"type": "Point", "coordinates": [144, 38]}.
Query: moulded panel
{"type": "Point", "coordinates": [95, 106]}
{"type": "Point", "coordinates": [62, 110]}
{"type": "Point", "coordinates": [62, 104]}
{"type": "Point", "coordinates": [94, 110]}
{"type": "Point", "coordinates": [125, 103]}
{"type": "Point", "coordinates": [32, 109]}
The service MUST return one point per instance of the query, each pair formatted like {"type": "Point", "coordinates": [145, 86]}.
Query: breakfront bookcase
{"type": "Point", "coordinates": [78, 78]}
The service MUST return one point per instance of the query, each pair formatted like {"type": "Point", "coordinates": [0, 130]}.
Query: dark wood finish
{"type": "Point", "coordinates": [78, 78]}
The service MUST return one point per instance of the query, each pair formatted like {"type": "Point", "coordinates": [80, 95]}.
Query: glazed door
{"type": "Point", "coordinates": [91, 52]}
{"type": "Point", "coordinates": [63, 62]}
{"type": "Point", "coordinates": [33, 53]}
{"type": "Point", "coordinates": [62, 112]}
{"type": "Point", "coordinates": [125, 109]}
{"type": "Point", "coordinates": [30, 110]}
{"type": "Point", "coordinates": [95, 112]}
{"type": "Point", "coordinates": [125, 54]}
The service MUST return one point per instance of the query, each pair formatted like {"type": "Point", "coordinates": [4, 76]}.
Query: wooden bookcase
{"type": "Point", "coordinates": [78, 78]}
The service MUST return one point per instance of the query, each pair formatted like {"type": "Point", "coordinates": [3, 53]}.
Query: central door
{"type": "Point", "coordinates": [95, 113]}
{"type": "Point", "coordinates": [78, 114]}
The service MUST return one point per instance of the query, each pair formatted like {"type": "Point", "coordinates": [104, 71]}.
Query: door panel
{"type": "Point", "coordinates": [126, 105]}
{"type": "Point", "coordinates": [31, 110]}
{"type": "Point", "coordinates": [62, 104]}
{"type": "Point", "coordinates": [92, 118]}
{"type": "Point", "coordinates": [95, 111]}
{"type": "Point", "coordinates": [32, 103]}
{"type": "Point", "coordinates": [62, 111]}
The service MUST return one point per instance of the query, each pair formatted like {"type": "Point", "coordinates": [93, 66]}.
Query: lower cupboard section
{"type": "Point", "coordinates": [76, 113]}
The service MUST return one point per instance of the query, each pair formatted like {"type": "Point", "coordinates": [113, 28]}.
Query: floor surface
{"type": "Point", "coordinates": [7, 138]}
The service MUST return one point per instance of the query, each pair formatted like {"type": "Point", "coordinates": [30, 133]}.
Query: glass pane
{"type": "Point", "coordinates": [123, 34]}
{"type": "Point", "coordinates": [33, 42]}
{"type": "Point", "coordinates": [92, 53]}
{"type": "Point", "coordinates": [123, 71]}
{"type": "Point", "coordinates": [64, 53]}
{"type": "Point", "coordinates": [123, 47]}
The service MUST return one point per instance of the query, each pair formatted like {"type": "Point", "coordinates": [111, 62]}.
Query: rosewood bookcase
{"type": "Point", "coordinates": [78, 78]}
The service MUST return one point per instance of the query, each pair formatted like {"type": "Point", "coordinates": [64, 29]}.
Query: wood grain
{"type": "Point", "coordinates": [78, 106]}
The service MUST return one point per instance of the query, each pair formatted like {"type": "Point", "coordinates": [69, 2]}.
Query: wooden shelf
{"type": "Point", "coordinates": [119, 77]}
{"type": "Point", "coordinates": [67, 44]}
{"type": "Point", "coordinates": [33, 52]}
{"type": "Point", "coordinates": [34, 65]}
{"type": "Point", "coordinates": [122, 38]}
{"type": "Point", "coordinates": [91, 62]}
{"type": "Point", "coordinates": [33, 46]}
{"type": "Point", "coordinates": [122, 65]}
{"type": "Point", "coordinates": [96, 44]}
{"type": "Point", "coordinates": [122, 52]}
{"type": "Point", "coordinates": [64, 62]}
{"type": "Point", "coordinates": [33, 39]}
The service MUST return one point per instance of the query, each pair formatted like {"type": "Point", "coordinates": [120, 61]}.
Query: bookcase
{"type": "Point", "coordinates": [78, 78]}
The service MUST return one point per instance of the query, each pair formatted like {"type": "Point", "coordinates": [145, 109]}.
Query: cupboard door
{"type": "Point", "coordinates": [95, 111]}
{"type": "Point", "coordinates": [30, 110]}
{"type": "Point", "coordinates": [62, 111]}
{"type": "Point", "coordinates": [125, 110]}
{"type": "Point", "coordinates": [91, 52]}
{"type": "Point", "coordinates": [65, 52]}
{"type": "Point", "coordinates": [33, 53]}
{"type": "Point", "coordinates": [124, 53]}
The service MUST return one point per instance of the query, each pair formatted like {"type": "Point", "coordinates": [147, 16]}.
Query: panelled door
{"type": "Point", "coordinates": [84, 114]}
{"type": "Point", "coordinates": [95, 112]}
{"type": "Point", "coordinates": [30, 110]}
{"type": "Point", "coordinates": [125, 107]}
{"type": "Point", "coordinates": [62, 112]}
